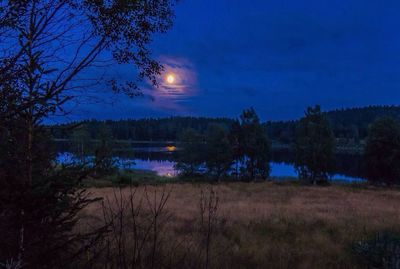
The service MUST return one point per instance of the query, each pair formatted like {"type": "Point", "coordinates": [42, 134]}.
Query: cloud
{"type": "Point", "coordinates": [172, 96]}
{"type": "Point", "coordinates": [278, 56]}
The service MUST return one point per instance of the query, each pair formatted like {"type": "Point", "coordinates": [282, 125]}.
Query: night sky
{"type": "Point", "coordinates": [278, 56]}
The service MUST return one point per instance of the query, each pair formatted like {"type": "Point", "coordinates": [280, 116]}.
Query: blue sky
{"type": "Point", "coordinates": [278, 56]}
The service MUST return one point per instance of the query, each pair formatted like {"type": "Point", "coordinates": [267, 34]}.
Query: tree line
{"type": "Point", "coordinates": [164, 129]}
{"type": "Point", "coordinates": [244, 144]}
{"type": "Point", "coordinates": [243, 150]}
{"type": "Point", "coordinates": [349, 126]}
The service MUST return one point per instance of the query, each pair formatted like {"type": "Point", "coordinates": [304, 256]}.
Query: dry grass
{"type": "Point", "coordinates": [267, 225]}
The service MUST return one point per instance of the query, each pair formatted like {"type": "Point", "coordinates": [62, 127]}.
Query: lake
{"type": "Point", "coordinates": [161, 159]}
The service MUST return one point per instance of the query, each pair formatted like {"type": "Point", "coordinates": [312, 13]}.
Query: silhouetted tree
{"type": "Point", "coordinates": [37, 220]}
{"type": "Point", "coordinates": [191, 156]}
{"type": "Point", "coordinates": [314, 147]}
{"type": "Point", "coordinates": [236, 141]}
{"type": "Point", "coordinates": [46, 48]}
{"type": "Point", "coordinates": [255, 147]}
{"type": "Point", "coordinates": [80, 142]}
{"type": "Point", "coordinates": [163, 129]}
{"type": "Point", "coordinates": [103, 155]}
{"type": "Point", "coordinates": [350, 124]}
{"type": "Point", "coordinates": [219, 154]}
{"type": "Point", "coordinates": [382, 151]}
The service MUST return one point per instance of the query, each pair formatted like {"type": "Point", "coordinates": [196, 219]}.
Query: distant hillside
{"type": "Point", "coordinates": [341, 120]}
{"type": "Point", "coordinates": [349, 125]}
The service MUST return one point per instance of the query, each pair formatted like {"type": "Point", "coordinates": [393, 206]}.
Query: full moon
{"type": "Point", "coordinates": [170, 78]}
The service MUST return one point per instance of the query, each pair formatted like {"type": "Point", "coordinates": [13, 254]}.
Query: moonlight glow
{"type": "Point", "coordinates": [177, 83]}
{"type": "Point", "coordinates": [170, 79]}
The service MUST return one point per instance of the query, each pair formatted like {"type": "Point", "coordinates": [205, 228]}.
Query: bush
{"type": "Point", "coordinates": [382, 152]}
{"type": "Point", "coordinates": [381, 250]}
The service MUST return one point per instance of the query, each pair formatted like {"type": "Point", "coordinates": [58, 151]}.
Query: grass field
{"type": "Point", "coordinates": [277, 225]}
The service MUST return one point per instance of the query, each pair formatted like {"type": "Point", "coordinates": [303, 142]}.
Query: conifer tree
{"type": "Point", "coordinates": [314, 147]}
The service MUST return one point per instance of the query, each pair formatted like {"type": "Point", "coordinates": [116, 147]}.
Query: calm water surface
{"type": "Point", "coordinates": [161, 159]}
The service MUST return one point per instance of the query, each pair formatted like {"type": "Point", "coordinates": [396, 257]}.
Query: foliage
{"type": "Point", "coordinates": [245, 145]}
{"type": "Point", "coordinates": [382, 151]}
{"type": "Point", "coordinates": [219, 155]}
{"type": "Point", "coordinates": [236, 138]}
{"type": "Point", "coordinates": [349, 125]}
{"type": "Point", "coordinates": [47, 49]}
{"type": "Point", "coordinates": [163, 129]}
{"type": "Point", "coordinates": [254, 147]}
{"type": "Point", "coordinates": [381, 250]}
{"type": "Point", "coordinates": [37, 219]}
{"type": "Point", "coordinates": [191, 157]}
{"type": "Point", "coordinates": [80, 142]}
{"type": "Point", "coordinates": [81, 145]}
{"type": "Point", "coordinates": [103, 158]}
{"type": "Point", "coordinates": [353, 123]}
{"type": "Point", "coordinates": [314, 147]}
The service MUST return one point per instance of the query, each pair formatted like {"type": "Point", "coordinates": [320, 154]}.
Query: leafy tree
{"type": "Point", "coordinates": [191, 156]}
{"type": "Point", "coordinates": [37, 220]}
{"type": "Point", "coordinates": [246, 143]}
{"type": "Point", "coordinates": [254, 146]}
{"type": "Point", "coordinates": [80, 142]}
{"type": "Point", "coordinates": [382, 151]}
{"type": "Point", "coordinates": [236, 142]}
{"type": "Point", "coordinates": [49, 49]}
{"type": "Point", "coordinates": [219, 153]}
{"type": "Point", "coordinates": [314, 147]}
{"type": "Point", "coordinates": [103, 158]}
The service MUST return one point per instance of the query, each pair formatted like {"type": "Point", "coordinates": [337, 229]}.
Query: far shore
{"type": "Point", "coordinates": [341, 149]}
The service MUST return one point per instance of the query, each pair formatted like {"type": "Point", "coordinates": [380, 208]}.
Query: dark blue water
{"type": "Point", "coordinates": [162, 160]}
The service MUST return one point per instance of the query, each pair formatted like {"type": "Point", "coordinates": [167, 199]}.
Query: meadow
{"type": "Point", "coordinates": [246, 225]}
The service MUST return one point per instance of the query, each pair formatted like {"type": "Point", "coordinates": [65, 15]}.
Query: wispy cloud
{"type": "Point", "coordinates": [172, 96]}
